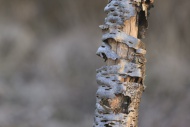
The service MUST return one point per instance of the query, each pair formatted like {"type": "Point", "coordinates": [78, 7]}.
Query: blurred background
{"type": "Point", "coordinates": [48, 63]}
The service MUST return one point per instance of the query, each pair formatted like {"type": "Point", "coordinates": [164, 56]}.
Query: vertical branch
{"type": "Point", "coordinates": [121, 80]}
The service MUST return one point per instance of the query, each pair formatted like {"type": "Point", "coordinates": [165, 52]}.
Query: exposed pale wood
{"type": "Point", "coordinates": [114, 46]}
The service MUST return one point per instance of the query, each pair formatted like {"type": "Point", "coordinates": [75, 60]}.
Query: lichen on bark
{"type": "Point", "coordinates": [121, 81]}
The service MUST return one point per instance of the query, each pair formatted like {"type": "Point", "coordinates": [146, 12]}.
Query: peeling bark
{"type": "Point", "coordinates": [121, 81]}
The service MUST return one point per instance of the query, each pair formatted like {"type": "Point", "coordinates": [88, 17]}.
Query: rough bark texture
{"type": "Point", "coordinates": [121, 80]}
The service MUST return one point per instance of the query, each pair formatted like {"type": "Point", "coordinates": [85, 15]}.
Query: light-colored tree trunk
{"type": "Point", "coordinates": [121, 80]}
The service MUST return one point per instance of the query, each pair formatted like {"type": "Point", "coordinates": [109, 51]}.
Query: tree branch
{"type": "Point", "coordinates": [121, 81]}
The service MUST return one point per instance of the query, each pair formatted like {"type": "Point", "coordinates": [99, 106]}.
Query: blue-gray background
{"type": "Point", "coordinates": [48, 62]}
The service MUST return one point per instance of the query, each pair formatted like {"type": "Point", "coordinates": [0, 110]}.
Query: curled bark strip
{"type": "Point", "coordinates": [105, 52]}
{"type": "Point", "coordinates": [121, 81]}
{"type": "Point", "coordinates": [130, 69]}
{"type": "Point", "coordinates": [120, 36]}
{"type": "Point", "coordinates": [118, 12]}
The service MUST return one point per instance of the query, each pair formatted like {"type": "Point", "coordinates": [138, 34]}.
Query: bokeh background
{"type": "Point", "coordinates": [48, 63]}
